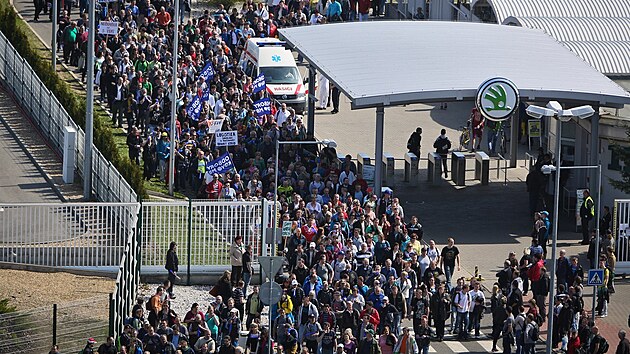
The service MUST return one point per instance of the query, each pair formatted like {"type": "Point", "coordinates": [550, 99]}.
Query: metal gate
{"type": "Point", "coordinates": [621, 231]}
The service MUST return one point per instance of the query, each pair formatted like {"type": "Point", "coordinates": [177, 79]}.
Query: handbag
{"type": "Point", "coordinates": [214, 291]}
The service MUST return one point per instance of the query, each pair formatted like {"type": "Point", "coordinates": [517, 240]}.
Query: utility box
{"type": "Point", "coordinates": [362, 159]}
{"type": "Point", "coordinates": [388, 168]}
{"type": "Point", "coordinates": [482, 167]}
{"type": "Point", "coordinates": [69, 153]}
{"type": "Point", "coordinates": [458, 168]}
{"type": "Point", "coordinates": [411, 168]}
{"type": "Point", "coordinates": [435, 168]}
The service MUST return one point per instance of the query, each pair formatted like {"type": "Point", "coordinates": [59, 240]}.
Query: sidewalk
{"type": "Point", "coordinates": [31, 170]}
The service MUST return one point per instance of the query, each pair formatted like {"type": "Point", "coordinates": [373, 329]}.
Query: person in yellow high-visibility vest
{"type": "Point", "coordinates": [587, 212]}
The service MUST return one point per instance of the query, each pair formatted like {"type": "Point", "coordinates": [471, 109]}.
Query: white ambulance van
{"type": "Point", "coordinates": [284, 82]}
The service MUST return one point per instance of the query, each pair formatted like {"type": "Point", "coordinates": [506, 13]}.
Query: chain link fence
{"type": "Point", "coordinates": [67, 325]}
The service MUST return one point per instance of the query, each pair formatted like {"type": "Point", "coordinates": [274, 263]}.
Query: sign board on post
{"type": "Point", "coordinates": [215, 125]}
{"type": "Point", "coordinates": [595, 277]}
{"type": "Point", "coordinates": [108, 28]}
{"type": "Point", "coordinates": [286, 228]}
{"type": "Point", "coordinates": [534, 131]}
{"type": "Point", "coordinates": [228, 138]}
{"type": "Point", "coordinates": [270, 293]}
{"type": "Point", "coordinates": [270, 265]}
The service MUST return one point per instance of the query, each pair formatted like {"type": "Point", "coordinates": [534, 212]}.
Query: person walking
{"type": "Point", "coordinates": [587, 212]}
{"type": "Point", "coordinates": [414, 142]}
{"type": "Point", "coordinates": [440, 307]}
{"type": "Point", "coordinates": [172, 266]}
{"type": "Point", "coordinates": [624, 345]}
{"type": "Point", "coordinates": [236, 259]}
{"type": "Point", "coordinates": [335, 93]}
{"type": "Point", "coordinates": [462, 302]}
{"type": "Point", "coordinates": [602, 291]}
{"type": "Point", "coordinates": [442, 145]}
{"type": "Point", "coordinates": [450, 256]}
{"type": "Point", "coordinates": [406, 344]}
{"type": "Point", "coordinates": [423, 335]}
{"type": "Point", "coordinates": [246, 263]}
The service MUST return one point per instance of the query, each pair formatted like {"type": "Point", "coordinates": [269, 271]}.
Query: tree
{"type": "Point", "coordinates": [623, 154]}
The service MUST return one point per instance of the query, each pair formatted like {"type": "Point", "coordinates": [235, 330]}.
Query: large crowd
{"type": "Point", "coordinates": [356, 266]}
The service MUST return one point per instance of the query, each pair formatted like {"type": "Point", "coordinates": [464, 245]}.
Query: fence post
{"type": "Point", "coordinates": [112, 308]}
{"type": "Point", "coordinates": [54, 325]}
{"type": "Point", "coordinates": [189, 241]}
{"type": "Point", "coordinates": [139, 239]}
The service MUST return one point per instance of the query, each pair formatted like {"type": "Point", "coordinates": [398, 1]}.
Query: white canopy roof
{"type": "Point", "coordinates": [398, 62]}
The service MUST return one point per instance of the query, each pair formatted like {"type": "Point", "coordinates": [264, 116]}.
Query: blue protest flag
{"type": "Point", "coordinates": [259, 83]}
{"type": "Point", "coordinates": [194, 108]}
{"type": "Point", "coordinates": [207, 73]}
{"type": "Point", "coordinates": [220, 165]}
{"type": "Point", "coordinates": [262, 107]}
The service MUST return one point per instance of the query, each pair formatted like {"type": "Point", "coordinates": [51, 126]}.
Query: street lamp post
{"type": "Point", "coordinates": [325, 142]}
{"type": "Point", "coordinates": [554, 109]}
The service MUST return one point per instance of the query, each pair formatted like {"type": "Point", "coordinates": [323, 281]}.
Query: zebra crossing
{"type": "Point", "coordinates": [471, 346]}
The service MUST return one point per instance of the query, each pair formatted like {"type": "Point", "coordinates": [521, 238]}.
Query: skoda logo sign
{"type": "Point", "coordinates": [497, 99]}
{"type": "Point", "coordinates": [284, 97]}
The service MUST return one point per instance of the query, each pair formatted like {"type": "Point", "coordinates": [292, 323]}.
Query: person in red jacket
{"type": "Point", "coordinates": [533, 273]}
{"type": "Point", "coordinates": [370, 311]}
{"type": "Point", "coordinates": [214, 187]}
{"type": "Point", "coordinates": [310, 230]}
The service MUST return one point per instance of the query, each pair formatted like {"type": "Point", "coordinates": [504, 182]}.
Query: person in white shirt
{"type": "Point", "coordinates": [424, 260]}
{"type": "Point", "coordinates": [262, 12]}
{"type": "Point", "coordinates": [433, 253]}
{"type": "Point", "coordinates": [477, 307]}
{"type": "Point", "coordinates": [347, 174]}
{"type": "Point", "coordinates": [462, 302]}
{"type": "Point", "coordinates": [281, 115]}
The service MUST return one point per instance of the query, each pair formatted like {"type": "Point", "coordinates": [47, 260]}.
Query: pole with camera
{"type": "Point", "coordinates": [554, 109]}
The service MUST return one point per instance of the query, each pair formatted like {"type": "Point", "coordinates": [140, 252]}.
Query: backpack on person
{"type": "Point", "coordinates": [603, 346]}
{"type": "Point", "coordinates": [535, 333]}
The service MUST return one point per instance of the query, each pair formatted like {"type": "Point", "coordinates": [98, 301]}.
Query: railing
{"type": "Point", "coordinates": [66, 235]}
{"type": "Point", "coordinates": [530, 160]}
{"type": "Point", "coordinates": [203, 230]}
{"type": "Point", "coordinates": [123, 298]}
{"type": "Point", "coordinates": [67, 325]}
{"type": "Point", "coordinates": [51, 117]}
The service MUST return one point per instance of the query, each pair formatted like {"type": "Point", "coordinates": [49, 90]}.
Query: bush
{"type": "Point", "coordinates": [103, 136]}
{"type": "Point", "coordinates": [5, 307]}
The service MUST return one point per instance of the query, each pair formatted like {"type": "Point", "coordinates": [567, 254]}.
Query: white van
{"type": "Point", "coordinates": [284, 82]}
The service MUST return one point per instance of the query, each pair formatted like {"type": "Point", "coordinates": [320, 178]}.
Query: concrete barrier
{"type": "Point", "coordinates": [362, 159]}
{"type": "Point", "coordinates": [388, 168]}
{"type": "Point", "coordinates": [458, 168]}
{"type": "Point", "coordinates": [435, 168]}
{"type": "Point", "coordinates": [411, 168]}
{"type": "Point", "coordinates": [482, 167]}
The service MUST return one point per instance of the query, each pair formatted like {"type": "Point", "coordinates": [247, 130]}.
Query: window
{"type": "Point", "coordinates": [281, 75]}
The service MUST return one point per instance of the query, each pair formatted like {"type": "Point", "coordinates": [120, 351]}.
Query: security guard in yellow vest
{"type": "Point", "coordinates": [587, 212]}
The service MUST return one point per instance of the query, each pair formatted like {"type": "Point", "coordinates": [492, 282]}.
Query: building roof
{"type": "Point", "coordinates": [597, 31]}
{"type": "Point", "coordinates": [398, 62]}
{"type": "Point", "coordinates": [559, 8]}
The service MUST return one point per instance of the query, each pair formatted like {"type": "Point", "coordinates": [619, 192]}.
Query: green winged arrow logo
{"type": "Point", "coordinates": [496, 94]}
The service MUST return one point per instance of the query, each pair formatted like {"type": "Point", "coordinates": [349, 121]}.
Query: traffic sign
{"type": "Point", "coordinates": [270, 293]}
{"type": "Point", "coordinates": [595, 277]}
{"type": "Point", "coordinates": [271, 265]}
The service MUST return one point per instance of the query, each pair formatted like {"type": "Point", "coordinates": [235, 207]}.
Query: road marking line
{"type": "Point", "coordinates": [456, 347]}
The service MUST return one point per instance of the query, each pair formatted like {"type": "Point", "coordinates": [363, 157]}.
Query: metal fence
{"type": "Point", "coordinates": [51, 117]}
{"type": "Point", "coordinates": [621, 231]}
{"type": "Point", "coordinates": [203, 230]}
{"type": "Point", "coordinates": [66, 235]}
{"type": "Point", "coordinates": [68, 325]}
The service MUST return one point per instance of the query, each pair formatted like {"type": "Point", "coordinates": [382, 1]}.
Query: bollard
{"type": "Point", "coordinates": [411, 168]}
{"type": "Point", "coordinates": [482, 167]}
{"type": "Point", "coordinates": [435, 168]}
{"type": "Point", "coordinates": [388, 168]}
{"type": "Point", "coordinates": [362, 159]}
{"type": "Point", "coordinates": [458, 168]}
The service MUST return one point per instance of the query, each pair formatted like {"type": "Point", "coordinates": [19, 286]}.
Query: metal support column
{"type": "Point", "coordinates": [378, 147]}
{"type": "Point", "coordinates": [516, 123]}
{"type": "Point", "coordinates": [594, 152]}
{"type": "Point", "coordinates": [310, 126]}
{"type": "Point", "coordinates": [53, 42]}
{"type": "Point", "coordinates": [171, 161]}
{"type": "Point", "coordinates": [89, 107]}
